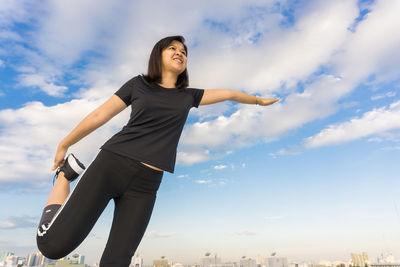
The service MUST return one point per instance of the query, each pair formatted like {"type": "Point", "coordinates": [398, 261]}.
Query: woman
{"type": "Point", "coordinates": [130, 165]}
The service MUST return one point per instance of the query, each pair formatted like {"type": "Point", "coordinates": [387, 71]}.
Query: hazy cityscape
{"type": "Point", "coordinates": [9, 259]}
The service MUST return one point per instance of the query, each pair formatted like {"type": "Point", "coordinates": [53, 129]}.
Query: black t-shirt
{"type": "Point", "coordinates": [156, 122]}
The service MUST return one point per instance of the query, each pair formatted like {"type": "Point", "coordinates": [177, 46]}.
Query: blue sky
{"type": "Point", "coordinates": [312, 177]}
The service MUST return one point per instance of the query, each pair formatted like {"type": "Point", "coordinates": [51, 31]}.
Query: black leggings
{"type": "Point", "coordinates": [132, 185]}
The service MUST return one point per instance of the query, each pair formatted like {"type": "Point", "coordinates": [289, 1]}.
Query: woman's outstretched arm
{"type": "Point", "coordinates": [212, 96]}
{"type": "Point", "coordinates": [91, 122]}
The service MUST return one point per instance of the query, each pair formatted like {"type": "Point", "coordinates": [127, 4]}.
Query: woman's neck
{"type": "Point", "coordinates": [168, 79]}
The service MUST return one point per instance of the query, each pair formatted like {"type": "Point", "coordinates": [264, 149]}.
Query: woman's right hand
{"type": "Point", "coordinates": [60, 155]}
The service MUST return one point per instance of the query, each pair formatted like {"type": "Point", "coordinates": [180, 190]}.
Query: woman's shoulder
{"type": "Point", "coordinates": [141, 79]}
{"type": "Point", "coordinates": [137, 80]}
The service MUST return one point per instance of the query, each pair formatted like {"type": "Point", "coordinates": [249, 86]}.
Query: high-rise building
{"type": "Point", "coordinates": [81, 259]}
{"type": "Point", "coordinates": [31, 259]}
{"type": "Point", "coordinates": [35, 259]}
{"type": "Point", "coordinates": [5, 255]}
{"type": "Point", "coordinates": [360, 259]}
{"type": "Point", "coordinates": [39, 259]}
{"type": "Point", "coordinates": [136, 261]}
{"type": "Point", "coordinates": [11, 260]}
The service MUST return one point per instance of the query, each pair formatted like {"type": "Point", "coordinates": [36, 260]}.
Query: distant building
{"type": "Point", "coordinates": [136, 261]}
{"type": "Point", "coordinates": [48, 261]}
{"type": "Point", "coordinates": [81, 259]}
{"type": "Point", "coordinates": [277, 262]}
{"type": "Point", "coordinates": [34, 259]}
{"type": "Point", "coordinates": [261, 262]}
{"type": "Point", "coordinates": [210, 261]}
{"type": "Point", "coordinates": [11, 261]}
{"type": "Point", "coordinates": [5, 255]}
{"type": "Point", "coordinates": [386, 258]}
{"type": "Point", "coordinates": [248, 263]}
{"type": "Point", "coordinates": [360, 259]}
{"type": "Point", "coordinates": [66, 263]}
{"type": "Point", "coordinates": [385, 265]}
{"type": "Point", "coordinates": [225, 264]}
{"type": "Point", "coordinates": [37, 259]}
{"type": "Point", "coordinates": [160, 263]}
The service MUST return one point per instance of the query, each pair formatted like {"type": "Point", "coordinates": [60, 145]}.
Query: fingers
{"type": "Point", "coordinates": [59, 161]}
{"type": "Point", "coordinates": [55, 165]}
{"type": "Point", "coordinates": [269, 101]}
{"type": "Point", "coordinates": [59, 158]}
{"type": "Point", "coordinates": [58, 164]}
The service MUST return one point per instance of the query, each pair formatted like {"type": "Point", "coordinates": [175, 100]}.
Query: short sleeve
{"type": "Point", "coordinates": [125, 92]}
{"type": "Point", "coordinates": [197, 95]}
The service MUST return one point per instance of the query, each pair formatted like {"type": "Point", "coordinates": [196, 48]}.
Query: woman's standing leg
{"type": "Point", "coordinates": [132, 214]}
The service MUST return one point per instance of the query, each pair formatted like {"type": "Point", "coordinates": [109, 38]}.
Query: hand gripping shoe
{"type": "Point", "coordinates": [72, 168]}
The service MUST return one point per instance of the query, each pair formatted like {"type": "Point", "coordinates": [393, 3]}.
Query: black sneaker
{"type": "Point", "coordinates": [72, 168]}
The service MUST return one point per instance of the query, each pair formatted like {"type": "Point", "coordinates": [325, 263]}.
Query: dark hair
{"type": "Point", "coordinates": [154, 71]}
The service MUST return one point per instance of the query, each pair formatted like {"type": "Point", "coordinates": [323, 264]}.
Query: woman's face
{"type": "Point", "coordinates": [174, 57]}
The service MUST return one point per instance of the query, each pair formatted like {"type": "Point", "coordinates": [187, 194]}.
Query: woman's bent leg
{"type": "Point", "coordinates": [65, 226]}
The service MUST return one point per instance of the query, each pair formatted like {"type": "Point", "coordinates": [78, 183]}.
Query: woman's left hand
{"type": "Point", "coordinates": [266, 101]}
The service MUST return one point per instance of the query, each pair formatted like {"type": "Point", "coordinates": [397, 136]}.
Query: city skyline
{"type": "Point", "coordinates": [273, 260]}
{"type": "Point", "coordinates": [314, 176]}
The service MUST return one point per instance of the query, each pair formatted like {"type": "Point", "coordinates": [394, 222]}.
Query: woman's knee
{"type": "Point", "coordinates": [51, 250]}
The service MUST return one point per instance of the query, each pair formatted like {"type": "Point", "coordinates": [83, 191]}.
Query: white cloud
{"type": "Point", "coordinates": [14, 222]}
{"type": "Point", "coordinates": [388, 94]}
{"type": "Point", "coordinates": [291, 55]}
{"type": "Point", "coordinates": [17, 11]}
{"type": "Point", "coordinates": [372, 48]}
{"type": "Point", "coordinates": [36, 80]}
{"type": "Point", "coordinates": [189, 157]}
{"type": "Point", "coordinates": [357, 56]}
{"type": "Point", "coordinates": [219, 167]}
{"type": "Point", "coordinates": [373, 122]}
{"type": "Point", "coordinates": [391, 148]}
{"type": "Point", "coordinates": [10, 36]}
{"type": "Point", "coordinates": [202, 181]}
{"type": "Point", "coordinates": [155, 234]}
{"type": "Point", "coordinates": [30, 136]}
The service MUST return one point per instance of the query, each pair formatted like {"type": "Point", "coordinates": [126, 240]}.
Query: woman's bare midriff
{"type": "Point", "coordinates": [148, 165]}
